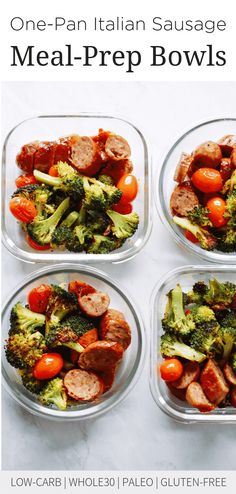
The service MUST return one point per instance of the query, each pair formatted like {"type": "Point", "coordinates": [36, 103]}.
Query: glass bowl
{"type": "Point", "coordinates": [172, 406]}
{"type": "Point", "coordinates": [210, 130]}
{"type": "Point", "coordinates": [129, 368]}
{"type": "Point", "coordinates": [51, 127]}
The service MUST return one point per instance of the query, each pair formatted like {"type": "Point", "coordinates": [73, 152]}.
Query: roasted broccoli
{"type": "Point", "coordinates": [220, 294]}
{"type": "Point", "coordinates": [230, 184]}
{"type": "Point", "coordinates": [41, 230]}
{"type": "Point", "coordinates": [199, 216]}
{"type": "Point", "coordinates": [203, 314]}
{"type": "Point", "coordinates": [54, 394]}
{"type": "Point", "coordinates": [98, 195]}
{"type": "Point", "coordinates": [229, 319]}
{"type": "Point", "coordinates": [103, 245]}
{"type": "Point", "coordinates": [106, 179]}
{"type": "Point", "coordinates": [23, 320]}
{"type": "Point", "coordinates": [172, 347]}
{"type": "Point", "coordinates": [62, 233]}
{"type": "Point", "coordinates": [68, 332]}
{"type": "Point", "coordinates": [206, 239]}
{"type": "Point", "coordinates": [60, 304]}
{"type": "Point", "coordinates": [233, 361]}
{"type": "Point", "coordinates": [123, 225]}
{"type": "Point", "coordinates": [83, 234]}
{"type": "Point", "coordinates": [206, 339]}
{"type": "Point", "coordinates": [229, 340]}
{"type": "Point", "coordinates": [30, 382]}
{"type": "Point", "coordinates": [40, 195]}
{"type": "Point", "coordinates": [68, 180]}
{"type": "Point", "coordinates": [175, 319]}
{"type": "Point", "coordinates": [97, 221]}
{"type": "Point", "coordinates": [24, 349]}
{"type": "Point", "coordinates": [195, 296]}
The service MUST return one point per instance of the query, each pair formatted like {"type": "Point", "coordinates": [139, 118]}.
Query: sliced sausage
{"type": "Point", "coordinates": [229, 374]}
{"type": "Point", "coordinates": [226, 168]}
{"type": "Point", "coordinates": [62, 150]}
{"type": "Point", "coordinates": [196, 397]}
{"type": "Point", "coordinates": [207, 154]}
{"type": "Point", "coordinates": [114, 327]}
{"type": "Point", "coordinates": [117, 148]}
{"type": "Point", "coordinates": [85, 155]}
{"type": "Point", "coordinates": [83, 385]}
{"type": "Point", "coordinates": [191, 373]}
{"type": "Point", "coordinates": [183, 167]}
{"type": "Point", "coordinates": [93, 304]}
{"type": "Point", "coordinates": [108, 377]}
{"type": "Point", "coordinates": [183, 200]}
{"type": "Point", "coordinates": [233, 397]}
{"type": "Point", "coordinates": [233, 158]}
{"type": "Point", "coordinates": [116, 169]}
{"type": "Point", "coordinates": [89, 337]}
{"type": "Point", "coordinates": [76, 287]}
{"type": "Point", "coordinates": [213, 382]}
{"type": "Point", "coordinates": [178, 393]}
{"type": "Point", "coordinates": [100, 356]}
{"type": "Point", "coordinates": [227, 143]}
{"type": "Point", "coordinates": [25, 158]}
{"type": "Point", "coordinates": [44, 156]}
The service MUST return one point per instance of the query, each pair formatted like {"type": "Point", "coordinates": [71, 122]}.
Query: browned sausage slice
{"type": "Point", "coordinates": [25, 158]}
{"type": "Point", "coordinates": [183, 167]}
{"type": "Point", "coordinates": [230, 374]}
{"type": "Point", "coordinates": [83, 385]}
{"type": "Point", "coordinates": [183, 200]}
{"type": "Point", "coordinates": [190, 374]}
{"type": "Point", "coordinates": [62, 150]}
{"type": "Point", "coordinates": [233, 157]}
{"type": "Point", "coordinates": [213, 382]}
{"type": "Point", "coordinates": [85, 155]}
{"type": "Point", "coordinates": [44, 156]}
{"type": "Point", "coordinates": [233, 397]}
{"type": "Point", "coordinates": [100, 356]}
{"type": "Point", "coordinates": [207, 154]}
{"type": "Point", "coordinates": [117, 148]}
{"type": "Point", "coordinates": [108, 377]}
{"type": "Point", "coordinates": [178, 393]}
{"type": "Point", "coordinates": [94, 304]}
{"type": "Point", "coordinates": [227, 143]}
{"type": "Point", "coordinates": [196, 397]}
{"type": "Point", "coordinates": [114, 327]}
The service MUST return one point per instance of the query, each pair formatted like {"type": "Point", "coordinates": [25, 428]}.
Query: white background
{"type": "Point", "coordinates": [136, 435]}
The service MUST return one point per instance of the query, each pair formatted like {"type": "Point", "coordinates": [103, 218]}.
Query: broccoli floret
{"type": "Point", "coordinates": [195, 296]}
{"type": "Point", "coordinates": [106, 179]}
{"type": "Point", "coordinates": [24, 349]}
{"type": "Point", "coordinates": [99, 195]}
{"type": "Point", "coordinates": [98, 221]}
{"type": "Point", "coordinates": [233, 361]}
{"type": "Point", "coordinates": [41, 231]}
{"type": "Point", "coordinates": [172, 347]}
{"type": "Point", "coordinates": [230, 213]}
{"type": "Point", "coordinates": [68, 332]}
{"type": "Point", "coordinates": [175, 319]}
{"type": "Point", "coordinates": [30, 383]}
{"type": "Point", "coordinates": [203, 314]}
{"type": "Point", "coordinates": [229, 319]}
{"type": "Point", "coordinates": [206, 239]}
{"type": "Point", "coordinates": [54, 394]}
{"type": "Point", "coordinates": [23, 319]}
{"type": "Point", "coordinates": [60, 304]}
{"type": "Point", "coordinates": [103, 245]}
{"type": "Point", "coordinates": [205, 339]}
{"type": "Point", "coordinates": [83, 234]}
{"type": "Point", "coordinates": [62, 233]}
{"type": "Point", "coordinates": [220, 294]}
{"type": "Point", "coordinates": [199, 216]}
{"type": "Point", "coordinates": [70, 183]}
{"type": "Point", "coordinates": [230, 184]}
{"type": "Point", "coordinates": [124, 225]}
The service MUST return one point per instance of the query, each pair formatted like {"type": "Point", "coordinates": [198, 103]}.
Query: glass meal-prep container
{"type": "Point", "coordinates": [166, 401]}
{"type": "Point", "coordinates": [51, 127]}
{"type": "Point", "coordinates": [211, 130]}
{"type": "Point", "coordinates": [129, 368]}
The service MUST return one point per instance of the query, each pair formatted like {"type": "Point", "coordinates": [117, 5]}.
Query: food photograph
{"type": "Point", "coordinates": [118, 276]}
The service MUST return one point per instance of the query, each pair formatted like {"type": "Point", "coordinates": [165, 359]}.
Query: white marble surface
{"type": "Point", "coordinates": [135, 435]}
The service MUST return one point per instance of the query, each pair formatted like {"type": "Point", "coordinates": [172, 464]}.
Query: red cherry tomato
{"type": "Point", "coordinates": [217, 208]}
{"type": "Point", "coordinates": [128, 185]}
{"type": "Point", "coordinates": [23, 209]}
{"type": "Point", "coordinates": [207, 180]}
{"type": "Point", "coordinates": [23, 180]}
{"type": "Point", "coordinates": [189, 235]}
{"type": "Point", "coordinates": [53, 171]}
{"type": "Point", "coordinates": [36, 246]}
{"type": "Point", "coordinates": [123, 208]}
{"type": "Point", "coordinates": [38, 298]}
{"type": "Point", "coordinates": [49, 365]}
{"type": "Point", "coordinates": [171, 369]}
{"type": "Point", "coordinates": [187, 312]}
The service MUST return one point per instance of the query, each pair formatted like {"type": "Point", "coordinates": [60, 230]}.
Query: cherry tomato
{"type": "Point", "coordinates": [49, 365]}
{"type": "Point", "coordinates": [187, 312]}
{"type": "Point", "coordinates": [207, 180]}
{"type": "Point", "coordinates": [123, 208]}
{"type": "Point", "coordinates": [38, 298]}
{"type": "Point", "coordinates": [36, 246]}
{"type": "Point", "coordinates": [23, 209]}
{"type": "Point", "coordinates": [128, 185]}
{"type": "Point", "coordinates": [189, 235]}
{"type": "Point", "coordinates": [217, 208]}
{"type": "Point", "coordinates": [171, 369]}
{"type": "Point", "coordinates": [53, 172]}
{"type": "Point", "coordinates": [23, 180]}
